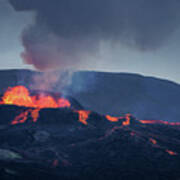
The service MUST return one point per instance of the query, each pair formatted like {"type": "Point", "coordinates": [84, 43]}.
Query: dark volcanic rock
{"type": "Point", "coordinates": [111, 93]}
{"type": "Point", "coordinates": [58, 146]}
{"type": "Point", "coordinates": [119, 93]}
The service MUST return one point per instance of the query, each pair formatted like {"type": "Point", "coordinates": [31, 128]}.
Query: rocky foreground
{"type": "Point", "coordinates": [59, 146]}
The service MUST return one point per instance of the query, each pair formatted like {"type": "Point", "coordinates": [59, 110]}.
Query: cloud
{"type": "Point", "coordinates": [65, 32]}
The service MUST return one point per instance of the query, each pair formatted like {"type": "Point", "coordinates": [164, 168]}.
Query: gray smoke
{"type": "Point", "coordinates": [65, 32]}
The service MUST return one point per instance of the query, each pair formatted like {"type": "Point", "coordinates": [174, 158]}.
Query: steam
{"type": "Point", "coordinates": [55, 81]}
{"type": "Point", "coordinates": [66, 32]}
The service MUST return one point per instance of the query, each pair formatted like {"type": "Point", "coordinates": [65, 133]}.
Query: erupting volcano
{"type": "Point", "coordinates": [78, 107]}
{"type": "Point", "coordinates": [20, 96]}
{"type": "Point", "coordinates": [67, 139]}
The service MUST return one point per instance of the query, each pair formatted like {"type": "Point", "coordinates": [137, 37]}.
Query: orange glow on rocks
{"type": "Point", "coordinates": [83, 116]}
{"type": "Point", "coordinates": [20, 96]}
{"type": "Point", "coordinates": [63, 103]}
{"type": "Point", "coordinates": [127, 121]}
{"type": "Point", "coordinates": [22, 118]}
{"type": "Point", "coordinates": [153, 141]}
{"type": "Point", "coordinates": [171, 153]}
{"type": "Point", "coordinates": [159, 122]}
{"type": "Point", "coordinates": [35, 114]}
{"type": "Point", "coordinates": [112, 119]}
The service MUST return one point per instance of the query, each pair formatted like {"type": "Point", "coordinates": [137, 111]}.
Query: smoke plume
{"type": "Point", "coordinates": [65, 32]}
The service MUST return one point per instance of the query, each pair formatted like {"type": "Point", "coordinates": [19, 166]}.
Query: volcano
{"type": "Point", "coordinates": [110, 93]}
{"type": "Point", "coordinates": [64, 141]}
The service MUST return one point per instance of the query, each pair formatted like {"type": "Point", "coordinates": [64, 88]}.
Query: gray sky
{"type": "Point", "coordinates": [163, 62]}
{"type": "Point", "coordinates": [11, 26]}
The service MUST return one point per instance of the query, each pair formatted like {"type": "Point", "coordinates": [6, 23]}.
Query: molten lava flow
{"type": "Point", "coordinates": [159, 122]}
{"type": "Point", "coordinates": [171, 153]}
{"type": "Point", "coordinates": [127, 121]}
{"type": "Point", "coordinates": [22, 118]}
{"type": "Point", "coordinates": [20, 96]}
{"type": "Point", "coordinates": [35, 114]}
{"type": "Point", "coordinates": [112, 119]}
{"type": "Point", "coordinates": [83, 116]}
{"type": "Point", "coordinates": [153, 141]}
{"type": "Point", "coordinates": [116, 119]}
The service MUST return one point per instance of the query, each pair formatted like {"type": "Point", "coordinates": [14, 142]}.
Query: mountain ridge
{"type": "Point", "coordinates": [112, 93]}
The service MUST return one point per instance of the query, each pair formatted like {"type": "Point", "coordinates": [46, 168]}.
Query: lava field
{"type": "Point", "coordinates": [68, 143]}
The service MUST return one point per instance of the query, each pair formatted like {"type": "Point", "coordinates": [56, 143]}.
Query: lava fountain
{"type": "Point", "coordinates": [21, 96]}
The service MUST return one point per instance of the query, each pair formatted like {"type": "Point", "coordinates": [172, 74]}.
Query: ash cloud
{"type": "Point", "coordinates": [65, 32]}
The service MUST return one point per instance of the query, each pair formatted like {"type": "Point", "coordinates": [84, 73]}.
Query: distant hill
{"type": "Point", "coordinates": [118, 93]}
{"type": "Point", "coordinates": [113, 93]}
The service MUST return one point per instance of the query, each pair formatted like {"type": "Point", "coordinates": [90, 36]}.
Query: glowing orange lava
{"type": "Point", "coordinates": [83, 116]}
{"type": "Point", "coordinates": [35, 114]}
{"type": "Point", "coordinates": [171, 153]}
{"type": "Point", "coordinates": [127, 121]}
{"type": "Point", "coordinates": [112, 119]}
{"type": "Point", "coordinates": [21, 118]}
{"type": "Point", "coordinates": [159, 122]}
{"type": "Point", "coordinates": [20, 96]}
{"type": "Point", "coordinates": [153, 141]}
{"type": "Point", "coordinates": [116, 119]}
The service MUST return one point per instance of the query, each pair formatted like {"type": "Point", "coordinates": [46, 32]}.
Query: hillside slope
{"type": "Point", "coordinates": [118, 93]}
{"type": "Point", "coordinates": [59, 146]}
{"type": "Point", "coordinates": [113, 93]}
